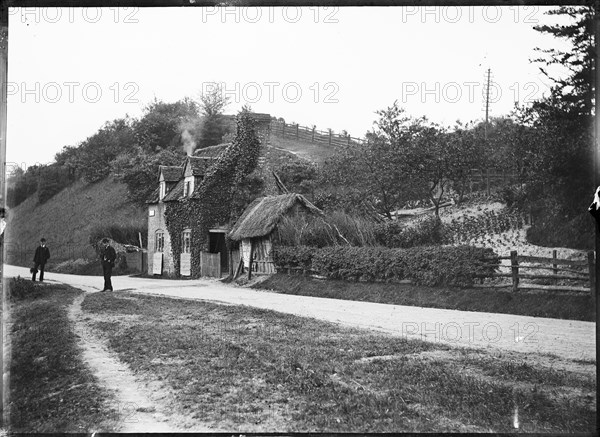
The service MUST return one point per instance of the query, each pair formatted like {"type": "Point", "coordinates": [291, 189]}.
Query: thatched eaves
{"type": "Point", "coordinates": [262, 216]}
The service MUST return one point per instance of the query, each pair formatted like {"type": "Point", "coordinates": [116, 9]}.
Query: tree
{"type": "Point", "coordinates": [162, 125]}
{"type": "Point", "coordinates": [462, 151]}
{"type": "Point", "coordinates": [139, 171]}
{"type": "Point", "coordinates": [376, 175]}
{"type": "Point", "coordinates": [214, 123]}
{"type": "Point", "coordinates": [561, 157]}
{"type": "Point", "coordinates": [214, 101]}
{"type": "Point", "coordinates": [97, 152]}
{"type": "Point", "coordinates": [576, 90]}
{"type": "Point", "coordinates": [299, 177]}
{"type": "Point", "coordinates": [53, 179]}
{"type": "Point", "coordinates": [563, 121]}
{"type": "Point", "coordinates": [23, 184]}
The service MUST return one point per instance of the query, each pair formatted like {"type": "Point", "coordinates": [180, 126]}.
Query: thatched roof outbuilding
{"type": "Point", "coordinates": [263, 214]}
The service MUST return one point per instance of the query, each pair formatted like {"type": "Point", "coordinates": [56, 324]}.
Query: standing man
{"type": "Point", "coordinates": [42, 255]}
{"type": "Point", "coordinates": [108, 257]}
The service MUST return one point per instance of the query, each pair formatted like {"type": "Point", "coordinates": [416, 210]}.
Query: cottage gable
{"type": "Point", "coordinates": [194, 169]}
{"type": "Point", "coordinates": [168, 176]}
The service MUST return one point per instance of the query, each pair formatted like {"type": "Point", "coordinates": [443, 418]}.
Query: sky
{"type": "Point", "coordinates": [73, 69]}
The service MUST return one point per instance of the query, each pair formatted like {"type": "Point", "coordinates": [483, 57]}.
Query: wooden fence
{"type": "Point", "coordinates": [480, 179]}
{"type": "Point", "coordinates": [582, 271]}
{"type": "Point", "coordinates": [563, 270]}
{"type": "Point", "coordinates": [311, 134]}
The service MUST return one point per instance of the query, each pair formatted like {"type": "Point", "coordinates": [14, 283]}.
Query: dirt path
{"type": "Point", "coordinates": [566, 339]}
{"type": "Point", "coordinates": [139, 409]}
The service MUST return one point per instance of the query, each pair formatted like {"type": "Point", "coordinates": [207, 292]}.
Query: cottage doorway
{"type": "Point", "coordinates": [216, 244]}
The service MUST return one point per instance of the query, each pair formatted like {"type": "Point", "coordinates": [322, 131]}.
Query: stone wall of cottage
{"type": "Point", "coordinates": [156, 222]}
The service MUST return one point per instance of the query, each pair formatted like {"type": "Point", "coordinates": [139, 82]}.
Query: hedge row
{"type": "Point", "coordinates": [428, 265]}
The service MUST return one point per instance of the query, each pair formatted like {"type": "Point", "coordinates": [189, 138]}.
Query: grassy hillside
{"type": "Point", "coordinates": [66, 220]}
{"type": "Point", "coordinates": [314, 152]}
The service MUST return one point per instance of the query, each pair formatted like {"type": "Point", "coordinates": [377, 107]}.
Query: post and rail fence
{"type": "Point", "coordinates": [578, 271]}
{"type": "Point", "coordinates": [582, 271]}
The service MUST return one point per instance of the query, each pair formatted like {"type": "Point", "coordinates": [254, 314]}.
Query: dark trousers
{"type": "Point", "coordinates": [39, 267]}
{"type": "Point", "coordinates": [107, 269]}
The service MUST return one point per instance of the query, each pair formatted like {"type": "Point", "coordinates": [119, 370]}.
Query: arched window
{"type": "Point", "coordinates": [159, 241]}
{"type": "Point", "coordinates": [186, 241]}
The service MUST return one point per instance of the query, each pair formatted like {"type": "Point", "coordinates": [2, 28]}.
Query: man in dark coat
{"type": "Point", "coordinates": [108, 257]}
{"type": "Point", "coordinates": [42, 255]}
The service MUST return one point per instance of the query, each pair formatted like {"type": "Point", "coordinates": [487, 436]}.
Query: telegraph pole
{"type": "Point", "coordinates": [487, 103]}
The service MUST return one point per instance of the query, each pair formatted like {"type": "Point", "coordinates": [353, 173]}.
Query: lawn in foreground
{"type": "Point", "coordinates": [555, 305]}
{"type": "Point", "coordinates": [51, 389]}
{"type": "Point", "coordinates": [247, 369]}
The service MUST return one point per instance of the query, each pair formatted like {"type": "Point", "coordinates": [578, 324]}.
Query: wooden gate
{"type": "Point", "coordinates": [210, 264]}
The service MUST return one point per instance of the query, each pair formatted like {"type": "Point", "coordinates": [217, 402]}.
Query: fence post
{"type": "Point", "coordinates": [514, 262]}
{"type": "Point", "coordinates": [592, 270]}
{"type": "Point", "coordinates": [297, 128]}
{"type": "Point", "coordinates": [312, 140]}
{"type": "Point", "coordinates": [330, 134]}
{"type": "Point", "coordinates": [283, 129]}
{"type": "Point", "coordinates": [554, 266]}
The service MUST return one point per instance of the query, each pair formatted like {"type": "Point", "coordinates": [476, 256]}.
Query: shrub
{"type": "Point", "coordinates": [360, 263]}
{"type": "Point", "coordinates": [21, 288]}
{"type": "Point", "coordinates": [556, 231]}
{"type": "Point", "coordinates": [448, 265]}
{"type": "Point", "coordinates": [293, 256]}
{"type": "Point", "coordinates": [428, 265]}
{"type": "Point", "coordinates": [427, 231]}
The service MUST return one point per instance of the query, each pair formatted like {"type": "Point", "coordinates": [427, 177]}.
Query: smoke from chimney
{"type": "Point", "coordinates": [188, 128]}
{"type": "Point", "coordinates": [188, 142]}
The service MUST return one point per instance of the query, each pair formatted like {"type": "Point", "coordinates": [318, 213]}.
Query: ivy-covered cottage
{"type": "Point", "coordinates": [254, 230]}
{"type": "Point", "coordinates": [190, 212]}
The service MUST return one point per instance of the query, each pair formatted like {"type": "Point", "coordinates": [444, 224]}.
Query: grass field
{"type": "Point", "coordinates": [251, 370]}
{"type": "Point", "coordinates": [51, 389]}
{"type": "Point", "coordinates": [556, 305]}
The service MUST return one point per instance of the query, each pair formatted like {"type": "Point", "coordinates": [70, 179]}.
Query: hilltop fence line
{"type": "Point", "coordinates": [312, 134]}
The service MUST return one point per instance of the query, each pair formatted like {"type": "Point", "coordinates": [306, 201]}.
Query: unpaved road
{"type": "Point", "coordinates": [567, 339]}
